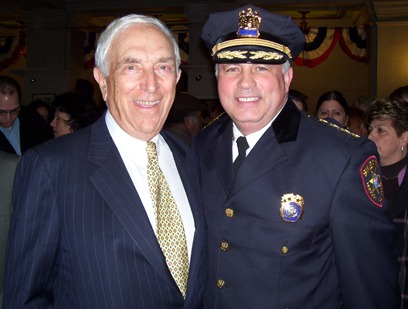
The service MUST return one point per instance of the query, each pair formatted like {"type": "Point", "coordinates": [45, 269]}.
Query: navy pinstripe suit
{"type": "Point", "coordinates": [80, 237]}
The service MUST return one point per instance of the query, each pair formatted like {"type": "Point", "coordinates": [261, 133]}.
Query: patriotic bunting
{"type": "Point", "coordinates": [11, 49]}
{"type": "Point", "coordinates": [319, 45]}
{"type": "Point", "coordinates": [353, 42]}
{"type": "Point", "coordinates": [321, 41]}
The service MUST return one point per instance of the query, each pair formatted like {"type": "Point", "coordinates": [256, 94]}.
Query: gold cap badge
{"type": "Point", "coordinates": [248, 25]}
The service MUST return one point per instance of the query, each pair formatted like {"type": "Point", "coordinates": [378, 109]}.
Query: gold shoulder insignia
{"type": "Point", "coordinates": [339, 128]}
{"type": "Point", "coordinates": [216, 118]}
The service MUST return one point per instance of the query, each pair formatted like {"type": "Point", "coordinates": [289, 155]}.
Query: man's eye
{"type": "Point", "coordinates": [231, 70]}
{"type": "Point", "coordinates": [131, 67]}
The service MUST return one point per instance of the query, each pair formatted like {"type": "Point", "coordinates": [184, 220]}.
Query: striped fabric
{"type": "Point", "coordinates": [80, 237]}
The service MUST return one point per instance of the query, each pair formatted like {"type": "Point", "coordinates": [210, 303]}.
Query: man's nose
{"type": "Point", "coordinates": [149, 81]}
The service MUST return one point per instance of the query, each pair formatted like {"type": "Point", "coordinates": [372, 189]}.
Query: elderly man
{"type": "Point", "coordinates": [110, 216]}
{"type": "Point", "coordinates": [295, 206]}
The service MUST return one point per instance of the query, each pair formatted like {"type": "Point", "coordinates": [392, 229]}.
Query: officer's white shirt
{"type": "Point", "coordinates": [252, 138]}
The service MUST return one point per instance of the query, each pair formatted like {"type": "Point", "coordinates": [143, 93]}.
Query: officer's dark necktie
{"type": "Point", "coordinates": [242, 148]}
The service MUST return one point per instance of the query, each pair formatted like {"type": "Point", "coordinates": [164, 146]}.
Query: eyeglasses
{"type": "Point", "coordinates": [15, 111]}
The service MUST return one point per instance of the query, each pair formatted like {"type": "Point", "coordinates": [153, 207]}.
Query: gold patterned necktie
{"type": "Point", "coordinates": [170, 229]}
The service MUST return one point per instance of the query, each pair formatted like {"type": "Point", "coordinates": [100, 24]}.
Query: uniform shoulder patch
{"type": "Point", "coordinates": [372, 181]}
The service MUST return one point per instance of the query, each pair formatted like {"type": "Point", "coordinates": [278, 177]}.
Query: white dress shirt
{"type": "Point", "coordinates": [134, 156]}
{"type": "Point", "coordinates": [252, 139]}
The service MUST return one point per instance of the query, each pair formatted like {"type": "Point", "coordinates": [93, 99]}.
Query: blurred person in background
{"type": "Point", "coordinates": [363, 102]}
{"type": "Point", "coordinates": [73, 111]}
{"type": "Point", "coordinates": [214, 110]}
{"type": "Point", "coordinates": [20, 127]}
{"type": "Point", "coordinates": [299, 99]}
{"type": "Point", "coordinates": [400, 93]}
{"type": "Point", "coordinates": [184, 120]}
{"type": "Point", "coordinates": [43, 108]}
{"type": "Point", "coordinates": [356, 121]}
{"type": "Point", "coordinates": [388, 126]}
{"type": "Point", "coordinates": [332, 104]}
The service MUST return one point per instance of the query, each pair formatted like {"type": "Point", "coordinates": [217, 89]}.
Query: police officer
{"type": "Point", "coordinates": [295, 206]}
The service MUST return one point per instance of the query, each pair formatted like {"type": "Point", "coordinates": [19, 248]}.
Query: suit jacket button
{"type": "Point", "coordinates": [285, 250]}
{"type": "Point", "coordinates": [220, 283]}
{"type": "Point", "coordinates": [224, 246]}
{"type": "Point", "coordinates": [229, 212]}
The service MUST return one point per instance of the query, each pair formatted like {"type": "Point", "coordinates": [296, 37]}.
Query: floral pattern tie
{"type": "Point", "coordinates": [170, 229]}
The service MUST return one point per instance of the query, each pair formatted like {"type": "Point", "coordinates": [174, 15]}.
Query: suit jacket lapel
{"type": "Point", "coordinates": [115, 185]}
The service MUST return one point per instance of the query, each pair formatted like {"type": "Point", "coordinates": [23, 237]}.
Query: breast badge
{"type": "Point", "coordinates": [372, 181]}
{"type": "Point", "coordinates": [292, 207]}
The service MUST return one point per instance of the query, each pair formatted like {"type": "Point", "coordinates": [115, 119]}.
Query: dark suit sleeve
{"type": "Point", "coordinates": [363, 240]}
{"type": "Point", "coordinates": [33, 243]}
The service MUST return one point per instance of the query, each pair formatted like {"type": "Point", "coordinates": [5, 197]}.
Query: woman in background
{"type": "Point", "coordinates": [332, 104]}
{"type": "Point", "coordinates": [73, 111]}
{"type": "Point", "coordinates": [388, 126]}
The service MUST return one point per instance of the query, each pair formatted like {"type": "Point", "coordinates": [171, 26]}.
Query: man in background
{"type": "Point", "coordinates": [184, 120]}
{"type": "Point", "coordinates": [20, 127]}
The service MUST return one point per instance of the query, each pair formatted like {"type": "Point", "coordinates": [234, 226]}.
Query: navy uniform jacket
{"type": "Point", "coordinates": [80, 236]}
{"type": "Point", "coordinates": [339, 254]}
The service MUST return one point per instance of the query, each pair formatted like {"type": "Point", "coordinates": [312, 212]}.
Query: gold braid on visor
{"type": "Point", "coordinates": [249, 41]}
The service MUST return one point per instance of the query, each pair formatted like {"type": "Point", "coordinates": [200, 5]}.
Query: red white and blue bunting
{"type": "Point", "coordinates": [321, 41]}
{"type": "Point", "coordinates": [11, 49]}
{"type": "Point", "coordinates": [319, 45]}
{"type": "Point", "coordinates": [353, 42]}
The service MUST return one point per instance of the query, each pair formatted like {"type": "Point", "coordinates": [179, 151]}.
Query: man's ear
{"type": "Point", "coordinates": [101, 79]}
{"type": "Point", "coordinates": [288, 79]}
{"type": "Point", "coordinates": [178, 75]}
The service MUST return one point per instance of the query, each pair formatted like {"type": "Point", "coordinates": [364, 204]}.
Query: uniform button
{"type": "Point", "coordinates": [220, 283]}
{"type": "Point", "coordinates": [224, 246]}
{"type": "Point", "coordinates": [285, 250]}
{"type": "Point", "coordinates": [229, 212]}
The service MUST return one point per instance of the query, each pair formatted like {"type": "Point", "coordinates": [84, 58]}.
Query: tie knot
{"type": "Point", "coordinates": [151, 150]}
{"type": "Point", "coordinates": [242, 145]}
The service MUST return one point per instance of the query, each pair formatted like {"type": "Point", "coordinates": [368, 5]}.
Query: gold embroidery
{"type": "Point", "coordinates": [251, 41]}
{"type": "Point", "coordinates": [232, 54]}
{"type": "Point", "coordinates": [340, 129]}
{"type": "Point", "coordinates": [266, 55]}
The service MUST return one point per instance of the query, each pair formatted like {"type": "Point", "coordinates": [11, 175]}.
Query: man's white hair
{"type": "Point", "coordinates": [118, 26]}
